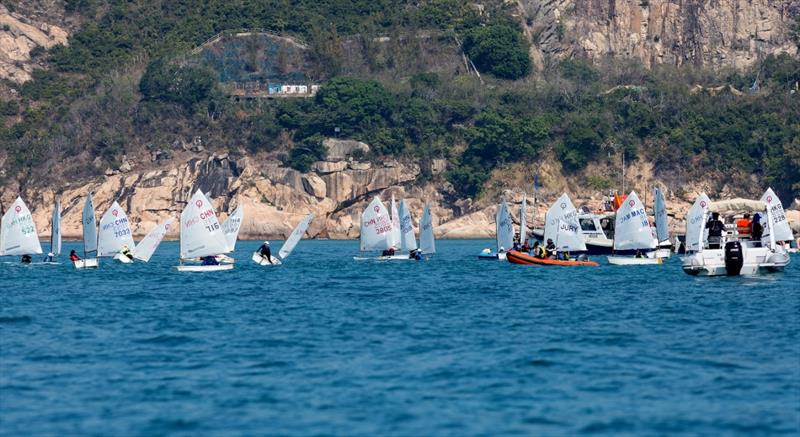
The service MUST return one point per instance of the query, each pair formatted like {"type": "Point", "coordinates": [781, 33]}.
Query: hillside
{"type": "Point", "coordinates": [457, 102]}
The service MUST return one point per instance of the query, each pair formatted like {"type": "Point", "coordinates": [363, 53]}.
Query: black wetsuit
{"type": "Point", "coordinates": [265, 252]}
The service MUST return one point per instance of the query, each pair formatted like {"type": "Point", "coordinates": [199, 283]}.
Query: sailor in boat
{"type": "Point", "coordinates": [563, 256]}
{"type": "Point", "coordinates": [415, 254]}
{"type": "Point", "coordinates": [516, 246]}
{"type": "Point", "coordinates": [638, 254]}
{"type": "Point", "coordinates": [26, 259]}
{"type": "Point", "coordinates": [550, 249]}
{"type": "Point", "coordinates": [537, 250]}
{"type": "Point", "coordinates": [49, 257]}
{"type": "Point", "coordinates": [743, 226]}
{"type": "Point", "coordinates": [388, 252]}
{"type": "Point", "coordinates": [265, 251]}
{"type": "Point", "coordinates": [756, 230]}
{"type": "Point", "coordinates": [209, 261]}
{"type": "Point", "coordinates": [525, 247]}
{"type": "Point", "coordinates": [73, 256]}
{"type": "Point", "coordinates": [715, 228]}
{"type": "Point", "coordinates": [126, 251]}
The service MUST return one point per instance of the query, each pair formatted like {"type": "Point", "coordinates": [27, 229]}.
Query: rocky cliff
{"type": "Point", "coordinates": [275, 197]}
{"type": "Point", "coordinates": [712, 33]}
{"type": "Point", "coordinates": [33, 25]}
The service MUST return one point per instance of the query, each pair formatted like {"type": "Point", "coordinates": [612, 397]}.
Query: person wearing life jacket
{"type": "Point", "coordinates": [209, 260]}
{"type": "Point", "coordinates": [265, 251]}
{"type": "Point", "coordinates": [49, 257]}
{"type": "Point", "coordinates": [525, 247]}
{"type": "Point", "coordinates": [516, 246]}
{"type": "Point", "coordinates": [743, 226]}
{"type": "Point", "coordinates": [73, 256]}
{"type": "Point", "coordinates": [26, 259]}
{"type": "Point", "coordinates": [550, 249]}
{"type": "Point", "coordinates": [126, 252]}
{"type": "Point", "coordinates": [638, 254]}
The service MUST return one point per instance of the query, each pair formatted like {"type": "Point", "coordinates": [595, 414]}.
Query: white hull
{"type": "Point", "coordinates": [89, 263]}
{"type": "Point", "coordinates": [262, 261]}
{"type": "Point", "coordinates": [633, 261]}
{"type": "Point", "coordinates": [757, 260]}
{"type": "Point", "coordinates": [662, 253]}
{"type": "Point", "coordinates": [122, 258]}
{"type": "Point", "coordinates": [202, 268]}
{"type": "Point", "coordinates": [384, 258]}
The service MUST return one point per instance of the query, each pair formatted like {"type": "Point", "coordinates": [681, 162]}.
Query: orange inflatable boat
{"type": "Point", "coordinates": [515, 257]}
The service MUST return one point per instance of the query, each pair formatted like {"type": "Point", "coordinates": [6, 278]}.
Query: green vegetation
{"type": "Point", "coordinates": [124, 84]}
{"type": "Point", "coordinates": [498, 49]}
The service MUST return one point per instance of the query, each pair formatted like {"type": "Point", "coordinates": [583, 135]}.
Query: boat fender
{"type": "Point", "coordinates": [734, 259]}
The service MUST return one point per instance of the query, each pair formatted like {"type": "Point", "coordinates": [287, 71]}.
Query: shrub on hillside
{"type": "Point", "coordinates": [185, 85]}
{"type": "Point", "coordinates": [498, 49]}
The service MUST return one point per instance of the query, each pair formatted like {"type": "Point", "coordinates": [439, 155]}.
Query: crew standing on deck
{"type": "Point", "coordinates": [743, 226]}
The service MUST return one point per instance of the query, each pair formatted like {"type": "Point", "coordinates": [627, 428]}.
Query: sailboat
{"type": "Point", "coordinates": [18, 232]}
{"type": "Point", "coordinates": [736, 257]}
{"type": "Point", "coordinates": [427, 244]}
{"type": "Point", "coordinates": [504, 231]}
{"type": "Point", "coordinates": [288, 245]}
{"type": "Point", "coordinates": [145, 249]}
{"type": "Point", "coordinates": [230, 227]}
{"type": "Point", "coordinates": [55, 234]}
{"type": "Point", "coordinates": [562, 228]}
{"type": "Point", "coordinates": [376, 228]}
{"type": "Point", "coordinates": [662, 225]}
{"type": "Point", "coordinates": [632, 232]}
{"type": "Point", "coordinates": [201, 235]}
{"type": "Point", "coordinates": [89, 223]}
{"type": "Point", "coordinates": [115, 233]}
{"type": "Point", "coordinates": [394, 235]}
{"type": "Point", "coordinates": [523, 220]}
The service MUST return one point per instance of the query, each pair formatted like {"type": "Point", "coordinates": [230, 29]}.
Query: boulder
{"type": "Point", "coordinates": [339, 150]}
{"type": "Point", "coordinates": [314, 185]}
{"type": "Point", "coordinates": [326, 167]}
{"type": "Point", "coordinates": [356, 165]}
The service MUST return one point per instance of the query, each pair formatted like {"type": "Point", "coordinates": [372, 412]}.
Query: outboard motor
{"type": "Point", "coordinates": [734, 258]}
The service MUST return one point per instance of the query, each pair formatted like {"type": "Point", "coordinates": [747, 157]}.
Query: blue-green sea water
{"type": "Point", "coordinates": [449, 346]}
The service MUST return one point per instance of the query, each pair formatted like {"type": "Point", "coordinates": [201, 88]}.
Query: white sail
{"type": "Point", "coordinates": [427, 244]}
{"type": "Point", "coordinates": [563, 210]}
{"type": "Point", "coordinates": [504, 227]}
{"type": "Point", "coordinates": [662, 224]}
{"type": "Point", "coordinates": [231, 226]}
{"type": "Point", "coordinates": [523, 220]}
{"type": "Point", "coordinates": [696, 223]}
{"type": "Point", "coordinates": [376, 227]}
{"type": "Point", "coordinates": [18, 232]}
{"type": "Point", "coordinates": [55, 230]}
{"type": "Point", "coordinates": [145, 249]}
{"type": "Point", "coordinates": [89, 226]}
{"type": "Point", "coordinates": [568, 237]}
{"type": "Point", "coordinates": [394, 236]}
{"type": "Point", "coordinates": [408, 241]}
{"type": "Point", "coordinates": [115, 232]}
{"type": "Point", "coordinates": [632, 231]}
{"type": "Point", "coordinates": [201, 234]}
{"type": "Point", "coordinates": [778, 220]}
{"type": "Point", "coordinates": [297, 234]}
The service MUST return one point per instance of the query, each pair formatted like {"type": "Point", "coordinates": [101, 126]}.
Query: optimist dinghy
{"type": "Point", "coordinates": [18, 231]}
{"type": "Point", "coordinates": [201, 235]}
{"type": "Point", "coordinates": [664, 249]}
{"type": "Point", "coordinates": [89, 223]}
{"type": "Point", "coordinates": [55, 235]}
{"type": "Point", "coordinates": [288, 245]}
{"type": "Point", "coordinates": [377, 230]}
{"type": "Point", "coordinates": [504, 232]}
{"type": "Point", "coordinates": [633, 233]}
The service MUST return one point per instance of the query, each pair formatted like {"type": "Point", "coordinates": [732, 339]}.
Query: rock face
{"type": "Point", "coordinates": [18, 36]}
{"type": "Point", "coordinates": [720, 33]}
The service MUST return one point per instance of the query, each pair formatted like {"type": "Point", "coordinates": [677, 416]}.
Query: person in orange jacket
{"type": "Point", "coordinates": [743, 226]}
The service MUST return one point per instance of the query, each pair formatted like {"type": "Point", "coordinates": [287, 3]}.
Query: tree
{"type": "Point", "coordinates": [185, 85]}
{"type": "Point", "coordinates": [498, 49]}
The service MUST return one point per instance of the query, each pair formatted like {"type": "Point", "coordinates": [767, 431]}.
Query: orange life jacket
{"type": "Point", "coordinates": [743, 227]}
